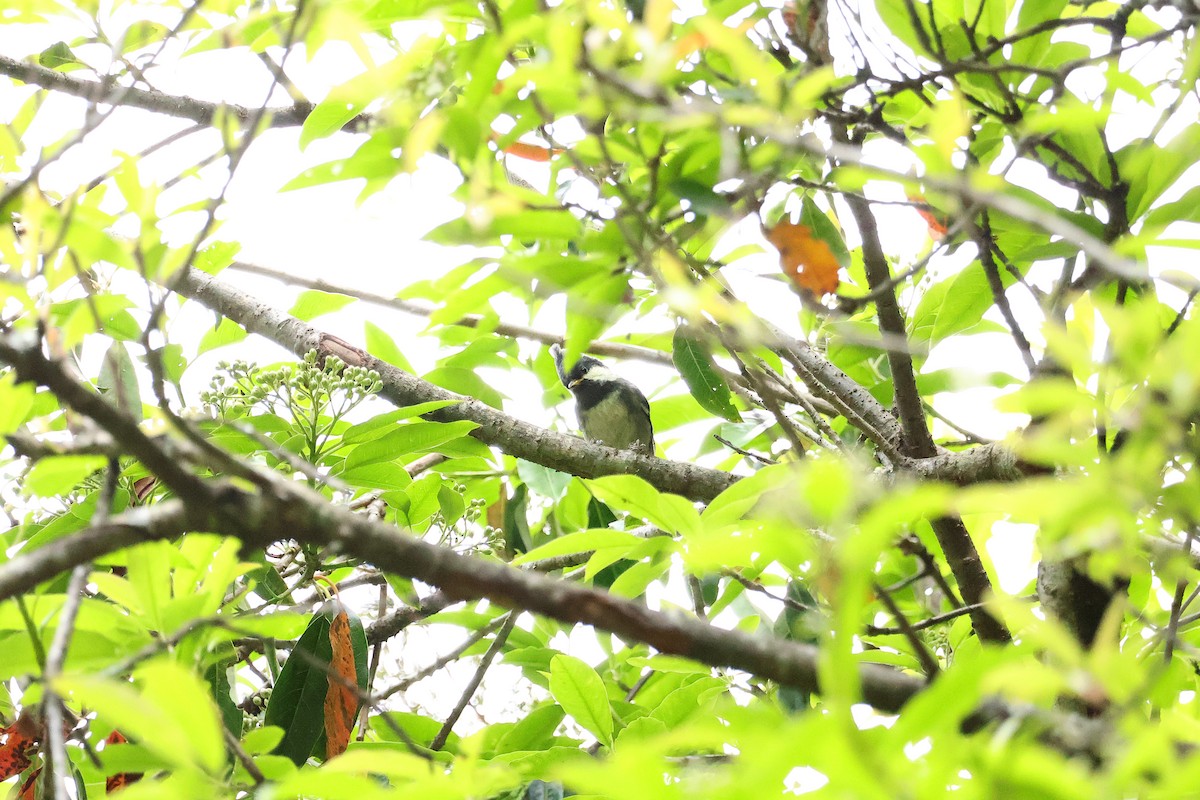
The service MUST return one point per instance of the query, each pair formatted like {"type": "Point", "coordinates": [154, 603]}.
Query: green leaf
{"type": "Point", "coordinates": [533, 732]}
{"type": "Point", "coordinates": [57, 56]}
{"type": "Point", "coordinates": [549, 483]}
{"type": "Point", "coordinates": [312, 304]}
{"type": "Point", "coordinates": [262, 740]}
{"type": "Point", "coordinates": [382, 423]}
{"type": "Point", "coordinates": [823, 228]}
{"type": "Point", "coordinates": [381, 345]}
{"type": "Point", "coordinates": [226, 332]}
{"type": "Point", "coordinates": [695, 363]}
{"type": "Point", "coordinates": [466, 382]}
{"type": "Point", "coordinates": [670, 512]}
{"type": "Point", "coordinates": [1185, 209]}
{"type": "Point", "coordinates": [170, 713]}
{"type": "Point", "coordinates": [118, 381]}
{"type": "Point", "coordinates": [328, 118]}
{"type": "Point", "coordinates": [418, 728]}
{"type": "Point", "coordinates": [16, 401]}
{"type": "Point", "coordinates": [580, 542]}
{"type": "Point", "coordinates": [57, 475]}
{"type": "Point", "coordinates": [217, 677]}
{"type": "Point", "coordinates": [592, 305]}
{"type": "Point", "coordinates": [405, 440]}
{"type": "Point", "coordinates": [216, 257]}
{"type": "Point", "coordinates": [297, 703]}
{"type": "Point", "coordinates": [1150, 169]}
{"type": "Point", "coordinates": [580, 691]}
{"type": "Point", "coordinates": [534, 225]}
{"type": "Point", "coordinates": [953, 305]}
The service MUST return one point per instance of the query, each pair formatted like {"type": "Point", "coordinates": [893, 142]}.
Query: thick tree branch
{"type": "Point", "coordinates": [917, 440]}
{"type": "Point", "coordinates": [521, 439]}
{"type": "Point", "coordinates": [952, 534]}
{"type": "Point", "coordinates": [291, 511]}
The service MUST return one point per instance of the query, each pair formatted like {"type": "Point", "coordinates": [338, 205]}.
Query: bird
{"type": "Point", "coordinates": [611, 410]}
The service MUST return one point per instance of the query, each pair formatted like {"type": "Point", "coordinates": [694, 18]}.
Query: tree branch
{"type": "Point", "coordinates": [295, 512]}
{"type": "Point", "coordinates": [200, 111]}
{"type": "Point", "coordinates": [515, 437]}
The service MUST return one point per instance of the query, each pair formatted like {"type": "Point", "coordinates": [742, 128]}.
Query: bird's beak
{"type": "Point", "coordinates": [574, 383]}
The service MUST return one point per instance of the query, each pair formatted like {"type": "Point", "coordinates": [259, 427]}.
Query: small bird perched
{"type": "Point", "coordinates": [611, 410]}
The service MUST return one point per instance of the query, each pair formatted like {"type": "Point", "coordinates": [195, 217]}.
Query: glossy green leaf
{"type": "Point", "coordinates": [580, 691]}
{"type": "Point", "coordinates": [695, 363]}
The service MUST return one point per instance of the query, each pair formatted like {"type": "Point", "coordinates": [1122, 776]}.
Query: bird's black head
{"type": "Point", "coordinates": [581, 367]}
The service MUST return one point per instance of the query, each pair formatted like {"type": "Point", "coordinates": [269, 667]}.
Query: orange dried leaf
{"type": "Point", "coordinates": [341, 702]}
{"type": "Point", "coordinates": [695, 41]}
{"type": "Point", "coordinates": [532, 152]}
{"type": "Point", "coordinates": [804, 258]}
{"type": "Point", "coordinates": [936, 222]}
{"type": "Point", "coordinates": [691, 43]}
{"type": "Point", "coordinates": [937, 225]}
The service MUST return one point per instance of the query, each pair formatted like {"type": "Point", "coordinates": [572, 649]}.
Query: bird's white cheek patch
{"type": "Point", "coordinates": [600, 375]}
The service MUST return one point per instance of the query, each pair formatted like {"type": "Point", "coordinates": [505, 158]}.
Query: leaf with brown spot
{"type": "Point", "coordinates": [806, 259]}
{"type": "Point", "coordinates": [341, 701]}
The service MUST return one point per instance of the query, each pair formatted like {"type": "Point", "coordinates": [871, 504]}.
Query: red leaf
{"type": "Point", "coordinates": [20, 739]}
{"type": "Point", "coordinates": [804, 258]}
{"type": "Point", "coordinates": [341, 701]}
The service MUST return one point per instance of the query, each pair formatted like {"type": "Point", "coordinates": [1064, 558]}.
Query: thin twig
{"type": "Point", "coordinates": [442, 661]}
{"type": "Point", "coordinates": [929, 664]}
{"type": "Point", "coordinates": [243, 757]}
{"type": "Point", "coordinates": [56, 656]}
{"type": "Point", "coordinates": [439, 741]}
{"type": "Point", "coordinates": [1177, 605]}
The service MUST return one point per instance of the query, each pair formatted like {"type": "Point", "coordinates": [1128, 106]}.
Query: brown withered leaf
{"type": "Point", "coordinates": [341, 702]}
{"type": "Point", "coordinates": [804, 258]}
